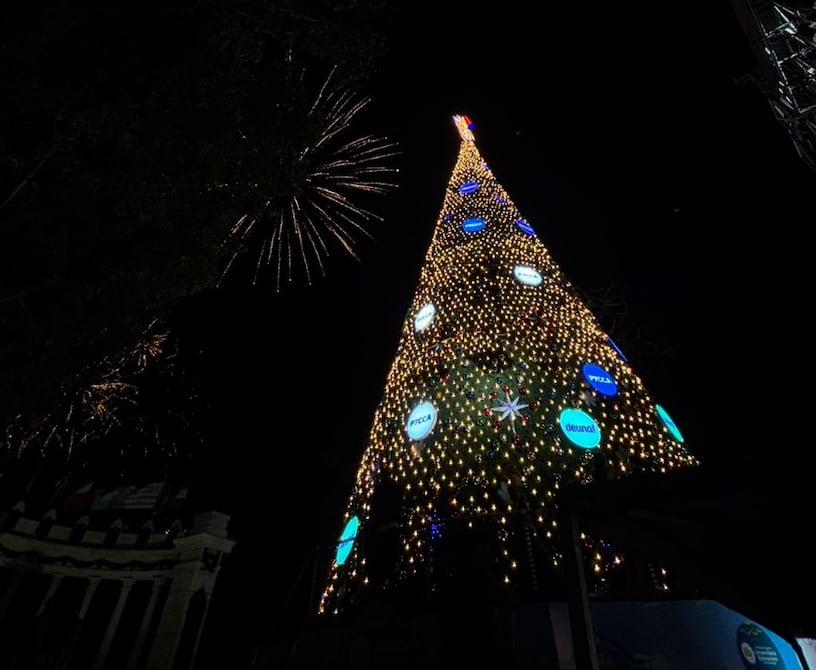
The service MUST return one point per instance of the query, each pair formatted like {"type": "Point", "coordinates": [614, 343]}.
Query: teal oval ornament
{"type": "Point", "coordinates": [669, 423]}
{"type": "Point", "coordinates": [580, 428]}
{"type": "Point", "coordinates": [346, 542]}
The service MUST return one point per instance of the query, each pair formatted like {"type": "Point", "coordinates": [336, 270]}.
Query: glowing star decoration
{"type": "Point", "coordinates": [509, 409]}
{"type": "Point", "coordinates": [464, 125]}
{"type": "Point", "coordinates": [588, 398]}
{"type": "Point", "coordinates": [346, 542]}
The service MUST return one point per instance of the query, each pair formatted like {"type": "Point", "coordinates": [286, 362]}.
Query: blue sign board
{"type": "Point", "coordinates": [599, 379]}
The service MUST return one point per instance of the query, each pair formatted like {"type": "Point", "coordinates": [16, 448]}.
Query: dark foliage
{"type": "Point", "coordinates": [130, 138]}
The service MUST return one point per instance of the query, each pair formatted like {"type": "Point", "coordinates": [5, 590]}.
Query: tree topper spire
{"type": "Point", "coordinates": [464, 126]}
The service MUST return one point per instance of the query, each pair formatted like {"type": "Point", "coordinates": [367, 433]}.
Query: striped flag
{"type": "Point", "coordinates": [82, 497]}
{"type": "Point", "coordinates": [173, 500]}
{"type": "Point", "coordinates": [128, 497]}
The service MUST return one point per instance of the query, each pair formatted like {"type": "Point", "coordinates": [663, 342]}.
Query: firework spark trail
{"type": "Point", "coordinates": [93, 411]}
{"type": "Point", "coordinates": [147, 349]}
{"type": "Point", "coordinates": [297, 226]}
{"type": "Point", "coordinates": [340, 233]}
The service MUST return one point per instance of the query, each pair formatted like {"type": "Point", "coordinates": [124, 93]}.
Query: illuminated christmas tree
{"type": "Point", "coordinates": [504, 389]}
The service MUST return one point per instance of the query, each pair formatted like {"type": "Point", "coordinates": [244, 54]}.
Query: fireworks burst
{"type": "Point", "coordinates": [318, 206]}
{"type": "Point", "coordinates": [147, 349]}
{"type": "Point", "coordinates": [91, 413]}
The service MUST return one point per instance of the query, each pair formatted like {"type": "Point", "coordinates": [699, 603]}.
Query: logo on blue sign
{"type": "Point", "coordinates": [421, 420]}
{"type": "Point", "coordinates": [599, 379]}
{"type": "Point", "coordinates": [473, 225]}
{"type": "Point", "coordinates": [580, 428]}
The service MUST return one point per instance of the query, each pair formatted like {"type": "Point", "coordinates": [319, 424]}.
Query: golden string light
{"type": "Point", "coordinates": [496, 332]}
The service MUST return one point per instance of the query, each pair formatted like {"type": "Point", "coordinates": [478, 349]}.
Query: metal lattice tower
{"type": "Point", "coordinates": [783, 38]}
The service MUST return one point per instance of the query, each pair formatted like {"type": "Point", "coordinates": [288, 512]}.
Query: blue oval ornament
{"type": "Point", "coordinates": [599, 379]}
{"type": "Point", "coordinates": [473, 225]}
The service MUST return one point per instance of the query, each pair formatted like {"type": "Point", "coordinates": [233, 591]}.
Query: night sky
{"type": "Point", "coordinates": [664, 189]}
{"type": "Point", "coordinates": [658, 183]}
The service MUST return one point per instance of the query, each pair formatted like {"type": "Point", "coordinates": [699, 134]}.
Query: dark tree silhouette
{"type": "Point", "coordinates": [129, 144]}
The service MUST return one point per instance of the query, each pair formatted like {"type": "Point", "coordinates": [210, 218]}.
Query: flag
{"type": "Point", "coordinates": [59, 492]}
{"type": "Point", "coordinates": [128, 497]}
{"type": "Point", "coordinates": [173, 500]}
{"type": "Point", "coordinates": [82, 497]}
